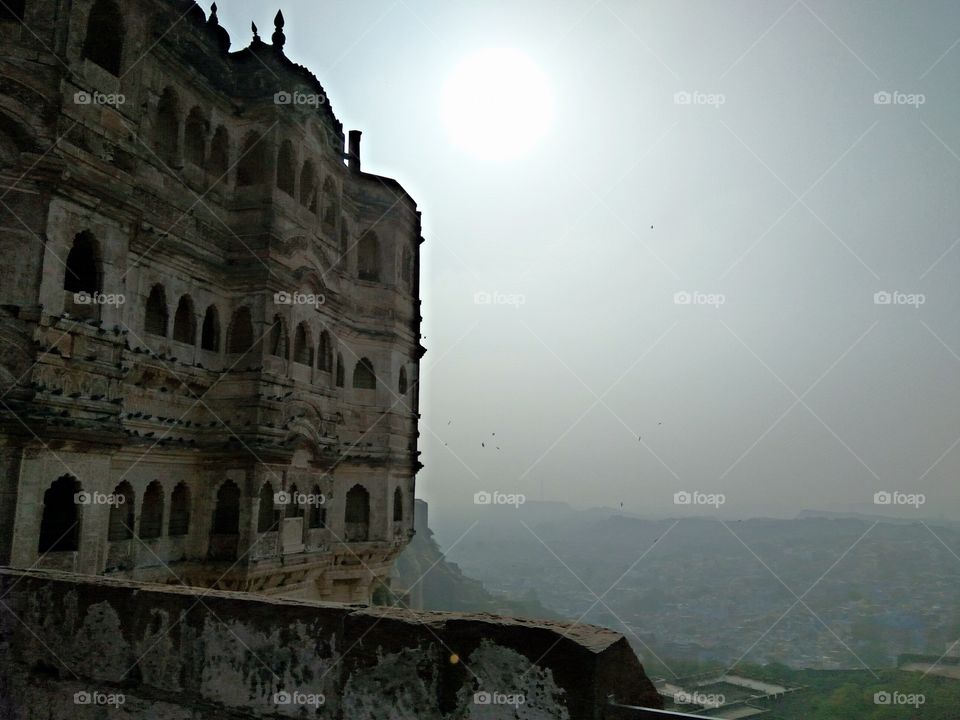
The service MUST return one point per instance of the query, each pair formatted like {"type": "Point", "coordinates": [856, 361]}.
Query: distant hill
{"type": "Point", "coordinates": [426, 580]}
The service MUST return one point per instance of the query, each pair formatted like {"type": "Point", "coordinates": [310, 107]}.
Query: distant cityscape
{"type": "Point", "coordinates": [815, 592]}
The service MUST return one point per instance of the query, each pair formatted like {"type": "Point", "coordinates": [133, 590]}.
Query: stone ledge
{"type": "Point", "coordinates": [192, 653]}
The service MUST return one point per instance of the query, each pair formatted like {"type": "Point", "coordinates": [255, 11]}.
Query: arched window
{"type": "Point", "coordinates": [357, 515]}
{"type": "Point", "coordinates": [185, 322]}
{"type": "Point", "coordinates": [240, 332]}
{"type": "Point", "coordinates": [331, 204]}
{"type": "Point", "coordinates": [302, 347]}
{"type": "Point", "coordinates": [219, 161]}
{"type": "Point", "coordinates": [325, 352]}
{"type": "Point", "coordinates": [225, 532]}
{"type": "Point", "coordinates": [250, 166]}
{"type": "Point", "coordinates": [151, 511]}
{"type": "Point", "coordinates": [120, 526]}
{"type": "Point", "coordinates": [155, 318]}
{"type": "Point", "coordinates": [195, 137]}
{"type": "Point", "coordinates": [167, 137]}
{"type": "Point", "coordinates": [265, 515]}
{"type": "Point", "coordinates": [179, 511]}
{"type": "Point", "coordinates": [60, 524]}
{"type": "Point", "coordinates": [278, 337]}
{"type": "Point", "coordinates": [82, 272]}
{"type": "Point", "coordinates": [318, 513]}
{"type": "Point", "coordinates": [340, 370]}
{"type": "Point", "coordinates": [103, 44]}
{"type": "Point", "coordinates": [210, 333]}
{"type": "Point", "coordinates": [285, 168]}
{"type": "Point", "coordinates": [363, 375]}
{"type": "Point", "coordinates": [294, 509]}
{"type": "Point", "coordinates": [226, 516]}
{"type": "Point", "coordinates": [397, 505]}
{"type": "Point", "coordinates": [368, 257]}
{"type": "Point", "coordinates": [12, 10]}
{"type": "Point", "coordinates": [402, 384]}
{"type": "Point", "coordinates": [308, 186]}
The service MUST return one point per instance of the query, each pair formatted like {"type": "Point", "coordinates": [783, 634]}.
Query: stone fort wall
{"type": "Point", "coordinates": [77, 648]}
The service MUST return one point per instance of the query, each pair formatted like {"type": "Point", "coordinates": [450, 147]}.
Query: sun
{"type": "Point", "coordinates": [497, 104]}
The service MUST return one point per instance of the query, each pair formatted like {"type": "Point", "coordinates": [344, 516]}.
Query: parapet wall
{"type": "Point", "coordinates": [79, 647]}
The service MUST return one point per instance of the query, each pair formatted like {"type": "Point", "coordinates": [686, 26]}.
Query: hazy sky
{"type": "Point", "coordinates": [783, 186]}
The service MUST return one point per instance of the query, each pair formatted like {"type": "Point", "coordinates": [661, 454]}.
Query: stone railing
{"type": "Point", "coordinates": [75, 647]}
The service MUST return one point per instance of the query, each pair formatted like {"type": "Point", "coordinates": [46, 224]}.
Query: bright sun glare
{"type": "Point", "coordinates": [497, 104]}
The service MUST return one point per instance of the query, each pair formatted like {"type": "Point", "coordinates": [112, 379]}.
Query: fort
{"type": "Point", "coordinates": [209, 313]}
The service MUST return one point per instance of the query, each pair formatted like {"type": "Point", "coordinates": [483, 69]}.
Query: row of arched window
{"type": "Point", "coordinates": [211, 152]}
{"type": "Point", "coordinates": [59, 526]}
{"type": "Point", "coordinates": [60, 523]}
{"type": "Point", "coordinates": [82, 275]}
{"type": "Point", "coordinates": [240, 338]}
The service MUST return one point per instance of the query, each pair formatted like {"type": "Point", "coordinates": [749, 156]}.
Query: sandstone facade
{"type": "Point", "coordinates": [209, 313]}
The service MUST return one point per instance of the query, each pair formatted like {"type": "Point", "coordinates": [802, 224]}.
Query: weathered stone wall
{"type": "Point", "coordinates": [146, 651]}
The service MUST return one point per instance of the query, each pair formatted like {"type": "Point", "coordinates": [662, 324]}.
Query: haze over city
{"type": "Point", "coordinates": [682, 250]}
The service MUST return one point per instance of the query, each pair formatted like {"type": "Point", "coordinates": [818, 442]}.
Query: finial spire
{"type": "Point", "coordinates": [278, 37]}
{"type": "Point", "coordinates": [213, 19]}
{"type": "Point", "coordinates": [253, 26]}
